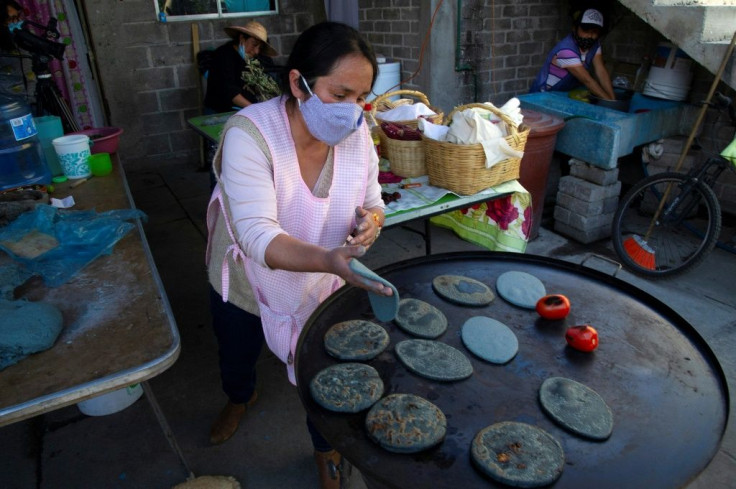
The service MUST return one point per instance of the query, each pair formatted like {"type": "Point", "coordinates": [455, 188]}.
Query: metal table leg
{"type": "Point", "coordinates": [165, 427]}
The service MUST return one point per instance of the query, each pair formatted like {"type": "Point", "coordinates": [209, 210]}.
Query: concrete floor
{"type": "Point", "coordinates": [66, 449]}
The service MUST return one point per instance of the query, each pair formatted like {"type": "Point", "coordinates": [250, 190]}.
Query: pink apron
{"type": "Point", "coordinates": [286, 299]}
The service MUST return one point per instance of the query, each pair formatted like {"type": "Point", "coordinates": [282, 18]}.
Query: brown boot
{"type": "Point", "coordinates": [334, 470]}
{"type": "Point", "coordinates": [228, 420]}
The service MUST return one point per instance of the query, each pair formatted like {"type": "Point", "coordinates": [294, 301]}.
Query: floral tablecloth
{"type": "Point", "coordinates": [501, 224]}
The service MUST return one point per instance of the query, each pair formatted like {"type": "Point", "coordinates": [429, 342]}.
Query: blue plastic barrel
{"type": "Point", "coordinates": [22, 162]}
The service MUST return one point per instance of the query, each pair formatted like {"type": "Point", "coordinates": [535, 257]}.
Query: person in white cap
{"type": "Point", "coordinates": [569, 64]}
{"type": "Point", "coordinates": [225, 86]}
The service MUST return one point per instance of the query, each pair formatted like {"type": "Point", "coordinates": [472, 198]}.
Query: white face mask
{"type": "Point", "coordinates": [330, 123]}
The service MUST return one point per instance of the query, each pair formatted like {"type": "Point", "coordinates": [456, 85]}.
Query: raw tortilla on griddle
{"type": "Point", "coordinates": [420, 319]}
{"type": "Point", "coordinates": [346, 387]}
{"type": "Point", "coordinates": [405, 423]}
{"type": "Point", "coordinates": [434, 360]}
{"type": "Point", "coordinates": [356, 339]}
{"type": "Point", "coordinates": [520, 289]}
{"type": "Point", "coordinates": [461, 290]}
{"type": "Point", "coordinates": [576, 407]}
{"type": "Point", "coordinates": [518, 454]}
{"type": "Point", "coordinates": [489, 339]}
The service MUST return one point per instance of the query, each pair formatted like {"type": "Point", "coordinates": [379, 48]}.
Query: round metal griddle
{"type": "Point", "coordinates": [664, 385]}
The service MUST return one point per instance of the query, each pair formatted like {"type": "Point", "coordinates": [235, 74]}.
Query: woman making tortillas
{"type": "Point", "coordinates": [297, 199]}
{"type": "Point", "coordinates": [569, 64]}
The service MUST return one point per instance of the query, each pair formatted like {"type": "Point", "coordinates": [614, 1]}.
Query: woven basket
{"type": "Point", "coordinates": [406, 157]}
{"type": "Point", "coordinates": [461, 168]}
{"type": "Point", "coordinates": [382, 103]}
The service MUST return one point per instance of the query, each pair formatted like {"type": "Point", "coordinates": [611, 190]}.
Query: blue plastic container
{"type": "Point", "coordinates": [22, 162]}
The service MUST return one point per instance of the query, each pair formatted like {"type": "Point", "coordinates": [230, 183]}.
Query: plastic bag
{"type": "Point", "coordinates": [55, 243]}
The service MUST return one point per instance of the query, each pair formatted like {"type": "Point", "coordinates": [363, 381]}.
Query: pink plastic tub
{"type": "Point", "coordinates": [103, 139]}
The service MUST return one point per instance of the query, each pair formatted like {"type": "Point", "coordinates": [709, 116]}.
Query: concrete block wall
{"type": "Point", "coordinates": [586, 202]}
{"type": "Point", "coordinates": [149, 80]}
{"type": "Point", "coordinates": [149, 77]}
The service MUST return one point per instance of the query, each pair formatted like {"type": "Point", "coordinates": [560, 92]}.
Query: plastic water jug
{"type": "Point", "coordinates": [22, 161]}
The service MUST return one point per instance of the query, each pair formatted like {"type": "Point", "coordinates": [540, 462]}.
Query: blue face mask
{"type": "Point", "coordinates": [241, 50]}
{"type": "Point", "coordinates": [330, 123]}
{"type": "Point", "coordinates": [14, 26]}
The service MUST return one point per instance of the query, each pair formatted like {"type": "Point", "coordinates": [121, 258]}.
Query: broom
{"type": "Point", "coordinates": [636, 246]}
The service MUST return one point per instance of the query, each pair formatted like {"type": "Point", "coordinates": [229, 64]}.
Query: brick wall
{"type": "Point", "coordinates": [149, 78]}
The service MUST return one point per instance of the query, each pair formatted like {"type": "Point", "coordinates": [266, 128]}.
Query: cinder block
{"type": "Point", "coordinates": [579, 206]}
{"type": "Point", "coordinates": [590, 173]}
{"type": "Point", "coordinates": [588, 191]}
{"type": "Point", "coordinates": [581, 221]}
{"type": "Point", "coordinates": [585, 237]}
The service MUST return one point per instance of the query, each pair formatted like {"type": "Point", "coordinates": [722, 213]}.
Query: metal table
{"type": "Point", "coordinates": [119, 329]}
{"type": "Point", "coordinates": [668, 393]}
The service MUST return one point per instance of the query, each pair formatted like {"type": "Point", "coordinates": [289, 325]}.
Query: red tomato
{"type": "Point", "coordinates": [553, 306]}
{"type": "Point", "coordinates": [583, 337]}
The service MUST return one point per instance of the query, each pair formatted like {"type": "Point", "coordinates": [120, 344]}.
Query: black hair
{"type": "Point", "coordinates": [320, 47]}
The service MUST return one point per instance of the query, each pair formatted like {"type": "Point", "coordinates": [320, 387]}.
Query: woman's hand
{"type": "Point", "coordinates": [367, 227]}
{"type": "Point", "coordinates": [338, 260]}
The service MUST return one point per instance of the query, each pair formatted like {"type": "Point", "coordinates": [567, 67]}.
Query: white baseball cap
{"type": "Point", "coordinates": [592, 16]}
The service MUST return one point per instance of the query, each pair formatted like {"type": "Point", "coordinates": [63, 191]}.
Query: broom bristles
{"type": "Point", "coordinates": [639, 251]}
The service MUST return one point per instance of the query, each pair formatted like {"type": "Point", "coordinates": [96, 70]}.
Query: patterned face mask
{"type": "Point", "coordinates": [330, 123]}
{"type": "Point", "coordinates": [585, 43]}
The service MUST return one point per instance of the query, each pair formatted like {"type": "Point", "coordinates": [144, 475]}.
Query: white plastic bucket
{"type": "Point", "coordinates": [112, 402]}
{"type": "Point", "coordinates": [388, 79]}
{"type": "Point", "coordinates": [73, 152]}
{"type": "Point", "coordinates": [670, 75]}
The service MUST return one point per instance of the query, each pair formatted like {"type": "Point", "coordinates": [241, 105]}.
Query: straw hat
{"type": "Point", "coordinates": [253, 29]}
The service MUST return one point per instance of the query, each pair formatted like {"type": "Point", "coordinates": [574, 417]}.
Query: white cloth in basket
{"type": "Point", "coordinates": [472, 127]}
{"type": "Point", "coordinates": [406, 112]}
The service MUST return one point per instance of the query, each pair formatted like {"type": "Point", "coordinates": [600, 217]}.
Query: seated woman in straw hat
{"type": "Point", "coordinates": [226, 89]}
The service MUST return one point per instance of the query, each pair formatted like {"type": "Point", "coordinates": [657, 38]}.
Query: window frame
{"type": "Point", "coordinates": [162, 17]}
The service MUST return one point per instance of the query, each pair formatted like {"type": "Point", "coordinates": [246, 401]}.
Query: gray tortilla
{"type": "Point", "coordinates": [405, 423]}
{"type": "Point", "coordinates": [434, 360]}
{"type": "Point", "coordinates": [576, 407]}
{"type": "Point", "coordinates": [420, 319]}
{"type": "Point", "coordinates": [346, 387]}
{"type": "Point", "coordinates": [518, 454]}
{"type": "Point", "coordinates": [520, 289]}
{"type": "Point", "coordinates": [356, 340]}
{"type": "Point", "coordinates": [462, 290]}
{"type": "Point", "coordinates": [489, 339]}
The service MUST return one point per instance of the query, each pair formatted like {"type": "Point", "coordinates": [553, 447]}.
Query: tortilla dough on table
{"type": "Point", "coordinates": [489, 339]}
{"type": "Point", "coordinates": [420, 319]}
{"type": "Point", "coordinates": [346, 387]}
{"type": "Point", "coordinates": [518, 454]}
{"type": "Point", "coordinates": [520, 289]}
{"type": "Point", "coordinates": [576, 407]}
{"type": "Point", "coordinates": [405, 423]}
{"type": "Point", "coordinates": [434, 360]}
{"type": "Point", "coordinates": [461, 290]}
{"type": "Point", "coordinates": [356, 339]}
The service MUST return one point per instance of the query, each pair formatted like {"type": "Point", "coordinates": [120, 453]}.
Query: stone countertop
{"type": "Point", "coordinates": [600, 136]}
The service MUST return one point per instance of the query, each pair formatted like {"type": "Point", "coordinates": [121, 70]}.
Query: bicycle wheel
{"type": "Point", "coordinates": [684, 233]}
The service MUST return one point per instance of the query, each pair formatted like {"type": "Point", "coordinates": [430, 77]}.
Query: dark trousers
{"type": "Point", "coordinates": [240, 339]}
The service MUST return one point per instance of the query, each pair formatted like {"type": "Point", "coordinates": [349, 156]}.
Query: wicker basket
{"type": "Point", "coordinates": [461, 168]}
{"type": "Point", "coordinates": [406, 157]}
{"type": "Point", "coordinates": [382, 103]}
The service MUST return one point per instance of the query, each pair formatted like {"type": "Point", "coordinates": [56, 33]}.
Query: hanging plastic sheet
{"type": "Point", "coordinates": [56, 244]}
